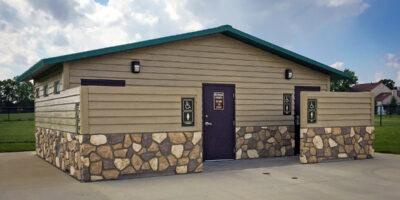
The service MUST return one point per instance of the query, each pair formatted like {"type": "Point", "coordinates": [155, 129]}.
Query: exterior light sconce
{"type": "Point", "coordinates": [135, 66]}
{"type": "Point", "coordinates": [288, 74]}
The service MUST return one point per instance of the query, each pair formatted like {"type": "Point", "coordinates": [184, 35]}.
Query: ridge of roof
{"type": "Point", "coordinates": [383, 96]}
{"type": "Point", "coordinates": [365, 87]}
{"type": "Point", "coordinates": [44, 64]}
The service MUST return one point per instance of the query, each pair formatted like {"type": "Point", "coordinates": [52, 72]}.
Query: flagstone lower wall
{"type": "Point", "coordinates": [117, 156]}
{"type": "Point", "coordinates": [321, 144]}
{"type": "Point", "coordinates": [263, 142]}
{"type": "Point", "coordinates": [61, 149]}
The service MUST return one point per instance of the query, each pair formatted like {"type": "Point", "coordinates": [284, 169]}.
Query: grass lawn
{"type": "Point", "coordinates": [387, 136]}
{"type": "Point", "coordinates": [17, 117]}
{"type": "Point", "coordinates": [17, 136]}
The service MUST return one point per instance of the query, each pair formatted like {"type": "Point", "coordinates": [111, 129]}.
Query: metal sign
{"type": "Point", "coordinates": [287, 104]}
{"type": "Point", "coordinates": [218, 101]}
{"type": "Point", "coordinates": [311, 111]}
{"type": "Point", "coordinates": [187, 111]}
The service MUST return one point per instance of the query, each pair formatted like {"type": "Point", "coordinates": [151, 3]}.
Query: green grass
{"type": "Point", "coordinates": [17, 117]}
{"type": "Point", "coordinates": [387, 136]}
{"type": "Point", "coordinates": [17, 136]}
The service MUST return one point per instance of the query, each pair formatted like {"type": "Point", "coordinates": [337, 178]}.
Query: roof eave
{"type": "Point", "coordinates": [27, 75]}
{"type": "Point", "coordinates": [44, 64]}
{"type": "Point", "coordinates": [290, 55]}
{"type": "Point", "coordinates": [48, 62]}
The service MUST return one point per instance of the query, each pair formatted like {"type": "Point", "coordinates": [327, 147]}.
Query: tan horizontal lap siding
{"type": "Point", "coordinates": [139, 109]}
{"type": "Point", "coordinates": [335, 109]}
{"type": "Point", "coordinates": [57, 111]}
{"type": "Point", "coordinates": [258, 77]}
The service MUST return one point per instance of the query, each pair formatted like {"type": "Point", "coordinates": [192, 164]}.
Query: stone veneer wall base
{"type": "Point", "coordinates": [120, 156]}
{"type": "Point", "coordinates": [264, 142]}
{"type": "Point", "coordinates": [323, 144]}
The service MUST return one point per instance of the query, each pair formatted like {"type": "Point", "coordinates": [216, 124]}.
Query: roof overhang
{"type": "Point", "coordinates": [45, 64]}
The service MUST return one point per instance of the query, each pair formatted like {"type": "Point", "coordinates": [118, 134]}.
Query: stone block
{"type": "Point", "coordinates": [121, 164]}
{"type": "Point", "coordinates": [177, 138]}
{"type": "Point", "coordinates": [105, 151]}
{"type": "Point", "coordinates": [177, 150]}
{"type": "Point", "coordinates": [249, 129]}
{"type": "Point", "coordinates": [342, 155]}
{"type": "Point", "coordinates": [181, 169]}
{"type": "Point", "coordinates": [239, 154]}
{"type": "Point", "coordinates": [154, 164]}
{"type": "Point", "coordinates": [136, 147]}
{"type": "Point", "coordinates": [370, 129]}
{"type": "Point", "coordinates": [147, 140]}
{"type": "Point", "coordinates": [317, 141]}
{"type": "Point", "coordinates": [127, 141]}
{"type": "Point", "coordinates": [98, 139]}
{"type": "Point", "coordinates": [137, 137]}
{"type": "Point", "coordinates": [252, 153]}
{"type": "Point", "coordinates": [121, 153]}
{"type": "Point", "coordinates": [110, 174]}
{"type": "Point", "coordinates": [96, 168]}
{"type": "Point", "coordinates": [282, 129]}
{"type": "Point", "coordinates": [136, 162]}
{"type": "Point", "coordinates": [128, 170]}
{"type": "Point", "coordinates": [115, 138]}
{"type": "Point", "coordinates": [332, 143]}
{"type": "Point", "coordinates": [196, 137]}
{"type": "Point", "coordinates": [163, 163]}
{"type": "Point", "coordinates": [159, 137]}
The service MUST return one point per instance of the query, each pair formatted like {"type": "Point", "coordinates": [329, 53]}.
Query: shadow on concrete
{"type": "Point", "coordinates": [228, 165]}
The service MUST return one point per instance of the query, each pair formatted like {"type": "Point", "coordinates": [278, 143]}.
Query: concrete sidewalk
{"type": "Point", "coordinates": [25, 176]}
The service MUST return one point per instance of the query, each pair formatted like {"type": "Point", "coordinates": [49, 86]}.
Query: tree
{"type": "Point", "coordinates": [393, 106]}
{"type": "Point", "coordinates": [16, 94]}
{"type": "Point", "coordinates": [389, 83]}
{"type": "Point", "coordinates": [342, 85]}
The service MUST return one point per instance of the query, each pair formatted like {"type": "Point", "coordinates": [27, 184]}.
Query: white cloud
{"type": "Point", "coordinates": [31, 30]}
{"type": "Point", "coordinates": [339, 3]}
{"type": "Point", "coordinates": [172, 8]}
{"type": "Point", "coordinates": [379, 76]}
{"type": "Point", "coordinates": [5, 73]}
{"type": "Point", "coordinates": [393, 61]}
{"type": "Point", "coordinates": [193, 26]}
{"type": "Point", "coordinates": [398, 78]}
{"type": "Point", "coordinates": [357, 6]}
{"type": "Point", "coordinates": [338, 65]}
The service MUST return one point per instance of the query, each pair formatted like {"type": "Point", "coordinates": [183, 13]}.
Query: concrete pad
{"type": "Point", "coordinates": [25, 176]}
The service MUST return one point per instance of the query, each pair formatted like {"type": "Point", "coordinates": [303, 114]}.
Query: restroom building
{"type": "Point", "coordinates": [163, 106]}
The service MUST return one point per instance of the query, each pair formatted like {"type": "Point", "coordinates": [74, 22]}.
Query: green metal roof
{"type": "Point", "coordinates": [227, 30]}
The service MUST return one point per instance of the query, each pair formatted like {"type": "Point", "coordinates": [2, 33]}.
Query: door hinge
{"type": "Point", "coordinates": [233, 95]}
{"type": "Point", "coordinates": [233, 123]}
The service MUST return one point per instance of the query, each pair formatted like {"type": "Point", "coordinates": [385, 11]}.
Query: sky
{"type": "Point", "coordinates": [362, 35]}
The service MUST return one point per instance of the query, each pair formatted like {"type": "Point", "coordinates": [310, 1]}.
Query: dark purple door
{"type": "Point", "coordinates": [218, 121]}
{"type": "Point", "coordinates": [297, 90]}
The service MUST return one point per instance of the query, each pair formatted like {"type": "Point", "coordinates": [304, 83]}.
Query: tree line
{"type": "Point", "coordinates": [16, 94]}
{"type": "Point", "coordinates": [344, 85]}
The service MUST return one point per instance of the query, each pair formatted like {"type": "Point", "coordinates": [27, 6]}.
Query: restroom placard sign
{"type": "Point", "coordinates": [187, 111]}
{"type": "Point", "coordinates": [218, 98]}
{"type": "Point", "coordinates": [287, 104]}
{"type": "Point", "coordinates": [311, 111]}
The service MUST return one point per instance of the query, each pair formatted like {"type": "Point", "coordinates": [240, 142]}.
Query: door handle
{"type": "Point", "coordinates": [297, 120]}
{"type": "Point", "coordinates": [207, 123]}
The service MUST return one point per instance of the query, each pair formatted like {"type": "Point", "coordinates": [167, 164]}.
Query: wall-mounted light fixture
{"type": "Point", "coordinates": [288, 74]}
{"type": "Point", "coordinates": [135, 66]}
